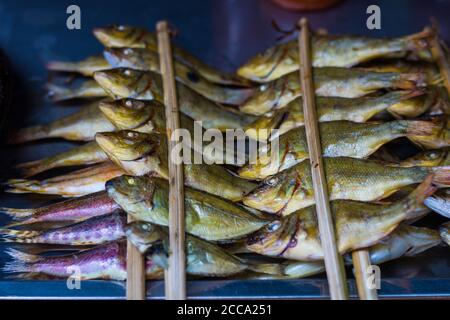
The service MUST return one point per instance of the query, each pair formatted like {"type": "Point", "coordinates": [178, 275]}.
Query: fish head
{"type": "Point", "coordinates": [159, 255]}
{"type": "Point", "coordinates": [129, 113]}
{"type": "Point", "coordinates": [125, 83]}
{"type": "Point", "coordinates": [135, 58]}
{"type": "Point", "coordinates": [143, 234]}
{"type": "Point", "coordinates": [127, 145]}
{"type": "Point", "coordinates": [274, 193]}
{"type": "Point", "coordinates": [128, 190]}
{"type": "Point", "coordinates": [119, 36]}
{"type": "Point", "coordinates": [275, 238]}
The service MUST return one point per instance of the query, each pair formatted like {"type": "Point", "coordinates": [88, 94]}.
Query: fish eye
{"type": "Point", "coordinates": [274, 226]}
{"type": "Point", "coordinates": [120, 27]}
{"type": "Point", "coordinates": [131, 181]}
{"type": "Point", "coordinates": [272, 181]}
{"type": "Point", "coordinates": [263, 87]}
{"type": "Point", "coordinates": [128, 51]}
{"type": "Point", "coordinates": [132, 134]}
{"type": "Point", "coordinates": [432, 155]}
{"type": "Point", "coordinates": [127, 72]}
{"type": "Point", "coordinates": [145, 226]}
{"type": "Point", "coordinates": [129, 103]}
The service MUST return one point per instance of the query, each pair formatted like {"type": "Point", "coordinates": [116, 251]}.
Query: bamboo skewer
{"type": "Point", "coordinates": [176, 274]}
{"type": "Point", "coordinates": [135, 272]}
{"type": "Point", "coordinates": [361, 263]}
{"type": "Point", "coordinates": [333, 262]}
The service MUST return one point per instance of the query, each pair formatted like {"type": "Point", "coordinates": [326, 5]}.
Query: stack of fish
{"type": "Point", "coordinates": [234, 214]}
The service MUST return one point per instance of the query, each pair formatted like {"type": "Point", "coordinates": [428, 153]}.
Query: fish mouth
{"type": "Point", "coordinates": [270, 240]}
{"type": "Point", "coordinates": [126, 145]}
{"type": "Point", "coordinates": [103, 35]}
{"type": "Point", "coordinates": [110, 82]}
{"type": "Point", "coordinates": [142, 234]}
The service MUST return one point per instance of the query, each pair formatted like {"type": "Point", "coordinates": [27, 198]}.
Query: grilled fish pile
{"type": "Point", "coordinates": [373, 97]}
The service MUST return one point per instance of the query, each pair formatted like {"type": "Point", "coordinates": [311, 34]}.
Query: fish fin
{"type": "Point", "coordinates": [22, 256]}
{"type": "Point", "coordinates": [59, 93]}
{"type": "Point", "coordinates": [21, 262]}
{"type": "Point", "coordinates": [427, 134]}
{"type": "Point", "coordinates": [29, 134]}
{"type": "Point", "coordinates": [413, 204]}
{"type": "Point", "coordinates": [267, 268]}
{"type": "Point", "coordinates": [31, 168]}
{"type": "Point", "coordinates": [410, 81]}
{"type": "Point", "coordinates": [63, 66]}
{"type": "Point", "coordinates": [438, 204]}
{"type": "Point", "coordinates": [17, 214]}
{"type": "Point", "coordinates": [441, 176]}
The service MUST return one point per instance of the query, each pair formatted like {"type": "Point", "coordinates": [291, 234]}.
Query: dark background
{"type": "Point", "coordinates": [223, 33]}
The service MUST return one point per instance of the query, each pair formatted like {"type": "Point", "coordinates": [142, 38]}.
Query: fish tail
{"type": "Point", "coordinates": [418, 41]}
{"type": "Point", "coordinates": [19, 234]}
{"type": "Point", "coordinates": [428, 134]}
{"type": "Point", "coordinates": [441, 176]}
{"type": "Point", "coordinates": [30, 134]}
{"type": "Point", "coordinates": [410, 81]}
{"type": "Point", "coordinates": [63, 66]}
{"type": "Point", "coordinates": [21, 261]}
{"type": "Point", "coordinates": [23, 186]}
{"type": "Point", "coordinates": [17, 214]}
{"type": "Point", "coordinates": [32, 168]}
{"type": "Point", "coordinates": [267, 268]}
{"type": "Point", "coordinates": [60, 93]}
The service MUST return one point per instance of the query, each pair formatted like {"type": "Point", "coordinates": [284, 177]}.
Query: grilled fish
{"type": "Point", "coordinates": [329, 51]}
{"type": "Point", "coordinates": [96, 230]}
{"type": "Point", "coordinates": [341, 139]}
{"type": "Point", "coordinates": [207, 216]}
{"type": "Point", "coordinates": [146, 60]}
{"type": "Point", "coordinates": [79, 126]}
{"type": "Point", "coordinates": [134, 37]}
{"type": "Point", "coordinates": [329, 82]}
{"type": "Point", "coordinates": [140, 153]}
{"type": "Point", "coordinates": [85, 67]}
{"type": "Point", "coordinates": [144, 85]}
{"type": "Point", "coordinates": [72, 210]}
{"type": "Point", "coordinates": [430, 158]}
{"type": "Point", "coordinates": [102, 262]}
{"type": "Point", "coordinates": [347, 179]}
{"type": "Point", "coordinates": [84, 88]}
{"type": "Point", "coordinates": [358, 225]}
{"type": "Point", "coordinates": [202, 258]}
{"type": "Point", "coordinates": [78, 183]}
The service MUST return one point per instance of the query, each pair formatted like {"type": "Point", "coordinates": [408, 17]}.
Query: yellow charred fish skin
{"type": "Point", "coordinates": [133, 37]}
{"type": "Point", "coordinates": [207, 216]}
{"type": "Point", "coordinates": [333, 109]}
{"type": "Point", "coordinates": [140, 154]}
{"type": "Point", "coordinates": [147, 60]}
{"type": "Point", "coordinates": [347, 179]}
{"type": "Point", "coordinates": [80, 126]}
{"type": "Point", "coordinates": [328, 51]}
{"type": "Point", "coordinates": [145, 85]}
{"type": "Point", "coordinates": [85, 67]}
{"type": "Point", "coordinates": [341, 139]}
{"type": "Point", "coordinates": [358, 225]}
{"type": "Point", "coordinates": [329, 82]}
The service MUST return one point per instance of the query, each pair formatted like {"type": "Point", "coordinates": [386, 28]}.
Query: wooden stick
{"type": "Point", "coordinates": [135, 272]}
{"type": "Point", "coordinates": [333, 262]}
{"type": "Point", "coordinates": [439, 57]}
{"type": "Point", "coordinates": [176, 274]}
{"type": "Point", "coordinates": [361, 263]}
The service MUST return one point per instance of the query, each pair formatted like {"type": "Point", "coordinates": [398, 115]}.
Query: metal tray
{"type": "Point", "coordinates": [224, 34]}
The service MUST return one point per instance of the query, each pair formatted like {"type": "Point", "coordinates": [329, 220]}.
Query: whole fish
{"type": "Point", "coordinates": [75, 184]}
{"type": "Point", "coordinates": [329, 51]}
{"type": "Point", "coordinates": [347, 179]}
{"type": "Point", "coordinates": [147, 60]}
{"type": "Point", "coordinates": [96, 230]}
{"type": "Point", "coordinates": [329, 82]}
{"type": "Point", "coordinates": [341, 139]}
{"type": "Point", "coordinates": [207, 216]}
{"type": "Point", "coordinates": [79, 126]}
{"type": "Point", "coordinates": [72, 210]}
{"type": "Point", "coordinates": [202, 258]}
{"type": "Point", "coordinates": [402, 104]}
{"type": "Point", "coordinates": [404, 241]}
{"type": "Point", "coordinates": [141, 153]}
{"type": "Point", "coordinates": [358, 225]}
{"type": "Point", "coordinates": [88, 153]}
{"type": "Point", "coordinates": [84, 88]}
{"type": "Point", "coordinates": [440, 202]}
{"type": "Point", "coordinates": [133, 37]}
{"type": "Point", "coordinates": [102, 262]}
{"type": "Point", "coordinates": [85, 67]}
{"type": "Point", "coordinates": [145, 85]}
{"type": "Point", "coordinates": [444, 231]}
